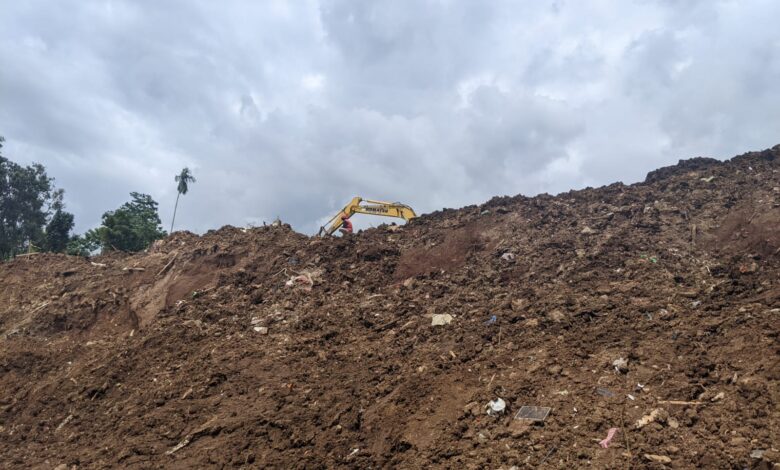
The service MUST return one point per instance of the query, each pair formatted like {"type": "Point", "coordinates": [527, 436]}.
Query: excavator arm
{"type": "Point", "coordinates": [359, 205]}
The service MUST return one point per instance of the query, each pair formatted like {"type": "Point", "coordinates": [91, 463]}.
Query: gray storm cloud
{"type": "Point", "coordinates": [291, 108]}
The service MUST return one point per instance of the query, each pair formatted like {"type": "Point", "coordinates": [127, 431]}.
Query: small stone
{"type": "Point", "coordinates": [587, 231]}
{"type": "Point", "coordinates": [673, 423]}
{"type": "Point", "coordinates": [720, 396]}
{"type": "Point", "coordinates": [409, 283]}
{"type": "Point", "coordinates": [263, 330]}
{"type": "Point", "coordinates": [658, 458]}
{"type": "Point", "coordinates": [554, 369]}
{"type": "Point", "coordinates": [471, 409]}
{"type": "Point", "coordinates": [556, 316]}
{"type": "Point", "coordinates": [61, 466]}
{"type": "Point", "coordinates": [518, 428]}
{"type": "Point", "coordinates": [508, 257]}
{"type": "Point", "coordinates": [441, 319]}
{"type": "Point", "coordinates": [757, 453]}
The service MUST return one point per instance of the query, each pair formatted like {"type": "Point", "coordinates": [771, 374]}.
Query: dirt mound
{"type": "Point", "coordinates": [652, 308]}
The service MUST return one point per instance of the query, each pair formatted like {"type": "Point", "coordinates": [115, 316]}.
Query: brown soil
{"type": "Point", "coordinates": [153, 360]}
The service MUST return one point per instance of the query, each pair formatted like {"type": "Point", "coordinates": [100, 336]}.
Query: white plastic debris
{"type": "Point", "coordinates": [495, 407]}
{"type": "Point", "coordinates": [621, 365]}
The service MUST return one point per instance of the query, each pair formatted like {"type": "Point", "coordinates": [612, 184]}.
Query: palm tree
{"type": "Point", "coordinates": [184, 179]}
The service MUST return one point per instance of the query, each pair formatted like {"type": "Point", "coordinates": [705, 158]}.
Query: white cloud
{"type": "Point", "coordinates": [313, 82]}
{"type": "Point", "coordinates": [291, 108]}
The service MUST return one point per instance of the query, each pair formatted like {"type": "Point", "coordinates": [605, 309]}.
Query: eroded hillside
{"type": "Point", "coordinates": [652, 308]}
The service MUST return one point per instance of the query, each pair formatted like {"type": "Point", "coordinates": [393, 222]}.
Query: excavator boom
{"type": "Point", "coordinates": [359, 205]}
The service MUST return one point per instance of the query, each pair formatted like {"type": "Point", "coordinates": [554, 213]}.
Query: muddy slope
{"type": "Point", "coordinates": [266, 348]}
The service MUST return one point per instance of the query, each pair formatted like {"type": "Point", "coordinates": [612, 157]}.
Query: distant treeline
{"type": "Point", "coordinates": [33, 216]}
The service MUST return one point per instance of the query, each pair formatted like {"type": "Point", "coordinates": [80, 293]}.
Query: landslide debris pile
{"type": "Point", "coordinates": [652, 308]}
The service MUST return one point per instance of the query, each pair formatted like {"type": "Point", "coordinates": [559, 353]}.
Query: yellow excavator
{"type": "Point", "coordinates": [358, 205]}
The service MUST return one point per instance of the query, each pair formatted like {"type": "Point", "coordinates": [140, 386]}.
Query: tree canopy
{"type": "Point", "coordinates": [131, 227]}
{"type": "Point", "coordinates": [32, 212]}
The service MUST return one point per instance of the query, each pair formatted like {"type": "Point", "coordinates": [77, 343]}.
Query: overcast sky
{"type": "Point", "coordinates": [290, 108]}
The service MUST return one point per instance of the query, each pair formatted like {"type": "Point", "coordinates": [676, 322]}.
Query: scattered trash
{"type": "Point", "coordinates": [757, 453]}
{"type": "Point", "coordinates": [652, 259]}
{"type": "Point", "coordinates": [509, 257]}
{"type": "Point", "coordinates": [610, 434]}
{"type": "Point", "coordinates": [679, 402]}
{"type": "Point", "coordinates": [605, 392]}
{"type": "Point", "coordinates": [707, 179]}
{"type": "Point", "coordinates": [658, 414]}
{"type": "Point", "coordinates": [548, 455]}
{"type": "Point", "coordinates": [587, 231]}
{"type": "Point", "coordinates": [658, 458]}
{"type": "Point", "coordinates": [304, 281]}
{"type": "Point", "coordinates": [63, 423]}
{"type": "Point", "coordinates": [167, 266]}
{"type": "Point", "coordinates": [631, 397]}
{"type": "Point", "coordinates": [640, 388]}
{"type": "Point", "coordinates": [492, 320]}
{"type": "Point", "coordinates": [748, 268]}
{"type": "Point", "coordinates": [695, 303]}
{"type": "Point", "coordinates": [179, 446]}
{"type": "Point", "coordinates": [621, 365]}
{"type": "Point", "coordinates": [133, 269]}
{"type": "Point", "coordinates": [263, 330]}
{"type": "Point", "coordinates": [354, 451]}
{"type": "Point", "coordinates": [441, 319]}
{"type": "Point", "coordinates": [533, 413]}
{"type": "Point", "coordinates": [99, 265]}
{"type": "Point", "coordinates": [718, 397]}
{"type": "Point", "coordinates": [495, 407]}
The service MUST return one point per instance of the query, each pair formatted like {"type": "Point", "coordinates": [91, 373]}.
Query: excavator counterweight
{"type": "Point", "coordinates": [359, 205]}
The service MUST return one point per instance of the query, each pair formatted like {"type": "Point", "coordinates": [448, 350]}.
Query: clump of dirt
{"type": "Point", "coordinates": [448, 254]}
{"type": "Point", "coordinates": [651, 308]}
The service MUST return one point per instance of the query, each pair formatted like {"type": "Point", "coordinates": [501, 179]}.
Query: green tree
{"type": "Point", "coordinates": [132, 227]}
{"type": "Point", "coordinates": [29, 207]}
{"type": "Point", "coordinates": [183, 179]}
{"type": "Point", "coordinates": [57, 234]}
{"type": "Point", "coordinates": [85, 245]}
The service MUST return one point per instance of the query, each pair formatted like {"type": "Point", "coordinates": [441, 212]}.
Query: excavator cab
{"type": "Point", "coordinates": [359, 205]}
